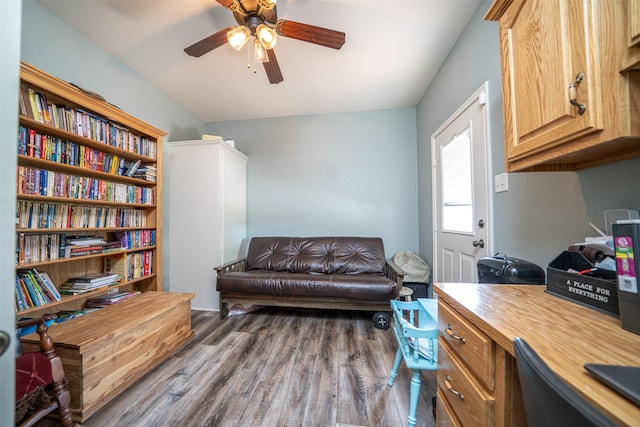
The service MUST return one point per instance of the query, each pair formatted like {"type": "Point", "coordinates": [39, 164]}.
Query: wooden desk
{"type": "Point", "coordinates": [565, 334]}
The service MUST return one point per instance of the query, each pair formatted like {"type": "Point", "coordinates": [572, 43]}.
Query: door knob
{"type": "Point", "coordinates": [478, 243]}
{"type": "Point", "coordinates": [4, 342]}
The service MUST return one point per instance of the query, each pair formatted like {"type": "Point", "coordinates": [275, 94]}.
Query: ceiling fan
{"type": "Point", "coordinates": [258, 19]}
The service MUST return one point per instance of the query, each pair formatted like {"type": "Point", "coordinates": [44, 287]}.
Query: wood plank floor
{"type": "Point", "coordinates": [274, 367]}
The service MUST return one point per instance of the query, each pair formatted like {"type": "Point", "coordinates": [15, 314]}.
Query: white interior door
{"type": "Point", "coordinates": [461, 182]}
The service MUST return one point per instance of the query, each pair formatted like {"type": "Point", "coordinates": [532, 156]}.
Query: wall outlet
{"type": "Point", "coordinates": [501, 182]}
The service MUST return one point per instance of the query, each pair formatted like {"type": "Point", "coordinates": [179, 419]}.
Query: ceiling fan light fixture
{"type": "Point", "coordinates": [260, 53]}
{"type": "Point", "coordinates": [238, 37]}
{"type": "Point", "coordinates": [267, 4]}
{"type": "Point", "coordinates": [267, 36]}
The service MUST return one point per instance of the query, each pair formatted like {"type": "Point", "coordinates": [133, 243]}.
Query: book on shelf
{"type": "Point", "coordinates": [34, 289]}
{"type": "Point", "coordinates": [116, 265]}
{"type": "Point", "coordinates": [83, 245]}
{"type": "Point", "coordinates": [89, 240]}
{"type": "Point", "coordinates": [133, 167]}
{"type": "Point", "coordinates": [146, 172]}
{"type": "Point", "coordinates": [66, 289]}
{"type": "Point", "coordinates": [86, 283]}
{"type": "Point", "coordinates": [113, 245]}
{"type": "Point", "coordinates": [51, 287]}
{"type": "Point", "coordinates": [22, 300]}
{"type": "Point", "coordinates": [93, 278]}
{"type": "Point", "coordinates": [73, 251]}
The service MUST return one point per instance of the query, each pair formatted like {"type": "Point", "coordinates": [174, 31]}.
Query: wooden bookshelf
{"type": "Point", "coordinates": [78, 180]}
{"type": "Point", "coordinates": [66, 159]}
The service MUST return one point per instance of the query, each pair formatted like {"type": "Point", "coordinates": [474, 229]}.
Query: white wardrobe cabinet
{"type": "Point", "coordinates": [207, 214]}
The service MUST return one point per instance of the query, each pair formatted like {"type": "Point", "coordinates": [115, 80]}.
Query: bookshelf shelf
{"type": "Point", "coordinates": [83, 257]}
{"type": "Point", "coordinates": [76, 302]}
{"type": "Point", "coordinates": [76, 170]}
{"type": "Point", "coordinates": [77, 155]}
{"type": "Point", "coordinates": [67, 200]}
{"type": "Point", "coordinates": [81, 140]}
{"type": "Point", "coordinates": [78, 230]}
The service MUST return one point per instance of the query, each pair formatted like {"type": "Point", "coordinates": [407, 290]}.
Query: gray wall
{"type": "Point", "coordinates": [51, 45]}
{"type": "Point", "coordinates": [334, 174]}
{"type": "Point", "coordinates": [542, 213]}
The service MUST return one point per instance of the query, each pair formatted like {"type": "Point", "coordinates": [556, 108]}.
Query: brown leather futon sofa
{"type": "Point", "coordinates": [349, 273]}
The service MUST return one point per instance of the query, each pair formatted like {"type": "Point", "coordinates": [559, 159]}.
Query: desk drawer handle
{"type": "Point", "coordinates": [448, 379]}
{"type": "Point", "coordinates": [449, 331]}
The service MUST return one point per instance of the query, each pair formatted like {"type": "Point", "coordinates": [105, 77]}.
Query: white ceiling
{"type": "Point", "coordinates": [393, 49]}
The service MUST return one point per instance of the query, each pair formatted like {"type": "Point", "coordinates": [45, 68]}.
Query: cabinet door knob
{"type": "Point", "coordinates": [573, 94]}
{"type": "Point", "coordinates": [447, 380]}
{"type": "Point", "coordinates": [449, 331]}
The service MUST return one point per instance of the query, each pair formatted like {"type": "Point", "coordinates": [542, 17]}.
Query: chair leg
{"type": "Point", "coordinates": [60, 392]}
{"type": "Point", "coordinates": [396, 366]}
{"type": "Point", "coordinates": [64, 413]}
{"type": "Point", "coordinates": [413, 400]}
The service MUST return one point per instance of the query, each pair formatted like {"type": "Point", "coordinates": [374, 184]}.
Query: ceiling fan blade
{"type": "Point", "coordinates": [228, 4]}
{"type": "Point", "coordinates": [310, 33]}
{"type": "Point", "coordinates": [207, 44]}
{"type": "Point", "coordinates": [272, 68]}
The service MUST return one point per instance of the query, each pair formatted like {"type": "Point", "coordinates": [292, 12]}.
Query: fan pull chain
{"type": "Point", "coordinates": [251, 57]}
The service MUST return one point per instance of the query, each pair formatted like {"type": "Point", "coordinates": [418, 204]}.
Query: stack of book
{"type": "Point", "coordinates": [111, 299]}
{"type": "Point", "coordinates": [146, 172]}
{"type": "Point", "coordinates": [79, 285]}
{"type": "Point", "coordinates": [112, 245]}
{"type": "Point", "coordinates": [83, 245]}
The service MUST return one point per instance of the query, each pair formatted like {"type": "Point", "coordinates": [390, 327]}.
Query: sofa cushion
{"type": "Point", "coordinates": [317, 255]}
{"type": "Point", "coordinates": [365, 287]}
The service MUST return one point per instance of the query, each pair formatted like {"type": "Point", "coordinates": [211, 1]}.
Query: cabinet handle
{"type": "Point", "coordinates": [447, 380]}
{"type": "Point", "coordinates": [449, 331]}
{"type": "Point", "coordinates": [572, 94]}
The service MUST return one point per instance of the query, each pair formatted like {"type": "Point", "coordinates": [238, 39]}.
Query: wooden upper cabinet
{"type": "Point", "coordinates": [556, 52]}
{"type": "Point", "coordinates": [634, 23]}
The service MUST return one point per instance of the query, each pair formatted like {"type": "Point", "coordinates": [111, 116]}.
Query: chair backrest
{"type": "Point", "coordinates": [549, 401]}
{"type": "Point", "coordinates": [417, 334]}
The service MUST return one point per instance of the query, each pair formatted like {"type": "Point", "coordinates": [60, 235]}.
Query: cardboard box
{"type": "Point", "coordinates": [598, 290]}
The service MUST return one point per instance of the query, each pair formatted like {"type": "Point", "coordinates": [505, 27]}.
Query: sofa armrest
{"type": "Point", "coordinates": [393, 272]}
{"type": "Point", "coordinates": [235, 265]}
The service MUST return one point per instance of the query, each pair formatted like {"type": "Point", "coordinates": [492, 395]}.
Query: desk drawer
{"type": "Point", "coordinates": [472, 405]}
{"type": "Point", "coordinates": [472, 346]}
{"type": "Point", "coordinates": [446, 417]}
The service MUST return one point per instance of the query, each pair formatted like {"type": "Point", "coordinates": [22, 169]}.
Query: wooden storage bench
{"type": "Point", "coordinates": [105, 352]}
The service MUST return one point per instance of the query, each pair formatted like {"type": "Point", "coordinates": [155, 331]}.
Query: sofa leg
{"type": "Point", "coordinates": [223, 309]}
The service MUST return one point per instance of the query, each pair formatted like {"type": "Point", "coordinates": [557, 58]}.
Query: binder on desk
{"type": "Point", "coordinates": [623, 379]}
{"type": "Point", "coordinates": [626, 242]}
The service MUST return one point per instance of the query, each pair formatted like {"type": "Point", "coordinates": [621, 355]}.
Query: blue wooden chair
{"type": "Point", "coordinates": [416, 329]}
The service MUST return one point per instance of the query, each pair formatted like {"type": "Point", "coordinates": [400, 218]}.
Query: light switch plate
{"type": "Point", "coordinates": [501, 182]}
